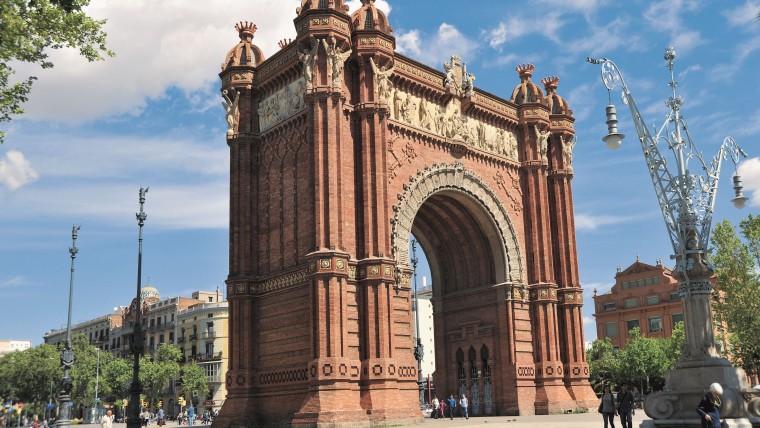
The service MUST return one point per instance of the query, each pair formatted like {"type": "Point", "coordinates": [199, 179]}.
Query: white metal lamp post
{"type": "Point", "coordinates": [686, 201]}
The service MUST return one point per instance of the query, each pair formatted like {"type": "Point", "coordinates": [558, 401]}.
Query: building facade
{"type": "Point", "coordinates": [341, 149]}
{"type": "Point", "coordinates": [98, 331]}
{"type": "Point", "coordinates": [644, 296]}
{"type": "Point", "coordinates": [10, 345]}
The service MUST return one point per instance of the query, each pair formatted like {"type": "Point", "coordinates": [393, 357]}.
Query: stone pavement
{"type": "Point", "coordinates": [585, 420]}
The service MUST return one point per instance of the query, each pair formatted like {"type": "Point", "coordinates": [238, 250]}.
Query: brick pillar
{"type": "Point", "coordinates": [551, 395]}
{"type": "Point", "coordinates": [572, 347]}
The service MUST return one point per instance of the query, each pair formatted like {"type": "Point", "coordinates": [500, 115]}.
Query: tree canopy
{"type": "Point", "coordinates": [736, 259]}
{"type": "Point", "coordinates": [29, 30]}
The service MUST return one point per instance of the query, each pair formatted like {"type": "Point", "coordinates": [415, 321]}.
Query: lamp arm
{"type": "Point", "coordinates": [666, 188]}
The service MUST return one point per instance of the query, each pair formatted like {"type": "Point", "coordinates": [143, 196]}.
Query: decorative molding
{"type": "Point", "coordinates": [441, 177]}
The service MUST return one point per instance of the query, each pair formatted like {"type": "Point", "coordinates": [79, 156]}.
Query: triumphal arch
{"type": "Point", "coordinates": [341, 149]}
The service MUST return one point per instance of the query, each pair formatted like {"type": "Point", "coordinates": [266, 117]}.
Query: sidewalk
{"type": "Point", "coordinates": [584, 420]}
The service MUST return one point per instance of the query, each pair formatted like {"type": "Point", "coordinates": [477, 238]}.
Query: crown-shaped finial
{"type": "Point", "coordinates": [246, 30]}
{"type": "Point", "coordinates": [525, 71]}
{"type": "Point", "coordinates": [550, 83]}
{"type": "Point", "coordinates": [284, 42]}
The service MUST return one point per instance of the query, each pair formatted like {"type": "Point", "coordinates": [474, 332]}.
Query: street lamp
{"type": "Point", "coordinates": [687, 202]}
{"type": "Point", "coordinates": [67, 356]}
{"type": "Point", "coordinates": [418, 348]}
{"type": "Point", "coordinates": [133, 420]}
{"type": "Point", "coordinates": [97, 380]}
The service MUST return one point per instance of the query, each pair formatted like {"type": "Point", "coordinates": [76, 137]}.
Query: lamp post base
{"type": "Point", "coordinates": [676, 404]}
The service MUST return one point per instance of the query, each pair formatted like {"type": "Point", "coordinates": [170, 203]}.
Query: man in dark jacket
{"type": "Point", "coordinates": [625, 406]}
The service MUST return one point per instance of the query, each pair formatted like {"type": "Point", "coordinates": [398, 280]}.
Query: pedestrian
{"type": "Point", "coordinates": [190, 415]}
{"type": "Point", "coordinates": [607, 407]}
{"type": "Point", "coordinates": [625, 406]}
{"type": "Point", "coordinates": [106, 421]}
{"type": "Point", "coordinates": [452, 403]}
{"type": "Point", "coordinates": [35, 421]}
{"type": "Point", "coordinates": [160, 417]}
{"type": "Point", "coordinates": [436, 404]}
{"type": "Point", "coordinates": [709, 407]}
{"type": "Point", "coordinates": [464, 404]}
{"type": "Point", "coordinates": [441, 408]}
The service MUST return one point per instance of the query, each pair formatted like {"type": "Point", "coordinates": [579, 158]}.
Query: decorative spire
{"type": "Point", "coordinates": [525, 71]}
{"type": "Point", "coordinates": [284, 42]}
{"type": "Point", "coordinates": [246, 30]}
{"type": "Point", "coordinates": [550, 84]}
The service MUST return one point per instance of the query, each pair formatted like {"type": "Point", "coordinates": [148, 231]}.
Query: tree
{"type": "Point", "coordinates": [156, 373]}
{"type": "Point", "coordinates": [737, 305]}
{"type": "Point", "coordinates": [30, 28]}
{"type": "Point", "coordinates": [604, 366]}
{"type": "Point", "coordinates": [117, 373]}
{"type": "Point", "coordinates": [194, 379]}
{"type": "Point", "coordinates": [643, 361]}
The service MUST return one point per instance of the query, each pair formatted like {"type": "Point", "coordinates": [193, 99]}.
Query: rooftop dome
{"type": "Point", "coordinates": [149, 295]}
{"type": "Point", "coordinates": [557, 104]}
{"type": "Point", "coordinates": [245, 52]}
{"type": "Point", "coordinates": [526, 91]}
{"type": "Point", "coordinates": [368, 17]}
{"type": "Point", "coordinates": [307, 5]}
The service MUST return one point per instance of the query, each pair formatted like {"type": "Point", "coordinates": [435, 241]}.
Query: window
{"type": "Point", "coordinates": [625, 285]}
{"type": "Point", "coordinates": [630, 303]}
{"type": "Point", "coordinates": [656, 280]}
{"type": "Point", "coordinates": [676, 319]}
{"type": "Point", "coordinates": [653, 300]}
{"type": "Point", "coordinates": [631, 324]}
{"type": "Point", "coordinates": [152, 343]}
{"type": "Point", "coordinates": [655, 324]}
{"type": "Point", "coordinates": [649, 281]}
{"type": "Point", "coordinates": [639, 283]}
{"type": "Point", "coordinates": [610, 330]}
{"type": "Point", "coordinates": [609, 306]}
{"type": "Point", "coordinates": [161, 338]}
{"type": "Point", "coordinates": [210, 299]}
{"type": "Point", "coordinates": [172, 317]}
{"type": "Point", "coordinates": [674, 297]}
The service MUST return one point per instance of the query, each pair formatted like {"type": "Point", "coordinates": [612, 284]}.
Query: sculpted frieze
{"type": "Point", "coordinates": [449, 122]}
{"type": "Point", "coordinates": [282, 104]}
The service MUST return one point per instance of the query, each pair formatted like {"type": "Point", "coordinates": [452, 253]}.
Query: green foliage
{"type": "Point", "coordinates": [118, 375]}
{"type": "Point", "coordinates": [30, 28]}
{"type": "Point", "coordinates": [643, 363]}
{"type": "Point", "coordinates": [194, 379]}
{"type": "Point", "coordinates": [26, 376]}
{"type": "Point", "coordinates": [736, 260]}
{"type": "Point", "coordinates": [156, 373]}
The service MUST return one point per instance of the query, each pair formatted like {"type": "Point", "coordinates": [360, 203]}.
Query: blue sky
{"type": "Point", "coordinates": [95, 132]}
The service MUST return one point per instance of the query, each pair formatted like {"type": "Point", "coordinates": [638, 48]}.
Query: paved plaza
{"type": "Point", "coordinates": [586, 420]}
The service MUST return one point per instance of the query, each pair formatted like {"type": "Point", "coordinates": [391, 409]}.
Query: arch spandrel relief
{"type": "Point", "coordinates": [282, 104]}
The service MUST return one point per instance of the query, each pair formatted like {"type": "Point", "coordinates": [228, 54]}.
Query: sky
{"type": "Point", "coordinates": [94, 133]}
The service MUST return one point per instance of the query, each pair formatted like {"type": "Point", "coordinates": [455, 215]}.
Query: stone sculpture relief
{"type": "Point", "coordinates": [543, 141]}
{"type": "Point", "coordinates": [383, 84]}
{"type": "Point", "coordinates": [282, 104]}
{"type": "Point", "coordinates": [308, 58]}
{"type": "Point", "coordinates": [449, 122]}
{"type": "Point", "coordinates": [567, 150]}
{"type": "Point", "coordinates": [335, 61]}
{"type": "Point", "coordinates": [231, 110]}
{"type": "Point", "coordinates": [457, 79]}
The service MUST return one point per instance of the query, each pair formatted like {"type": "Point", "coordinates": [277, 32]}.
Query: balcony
{"type": "Point", "coordinates": [193, 337]}
{"type": "Point", "coordinates": [211, 334]}
{"type": "Point", "coordinates": [181, 339]}
{"type": "Point", "coordinates": [214, 380]}
{"type": "Point", "coordinates": [209, 357]}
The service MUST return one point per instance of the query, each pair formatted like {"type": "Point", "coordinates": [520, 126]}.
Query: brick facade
{"type": "Point", "coordinates": [336, 158]}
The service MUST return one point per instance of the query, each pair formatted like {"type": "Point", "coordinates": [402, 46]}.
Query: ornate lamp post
{"type": "Point", "coordinates": [419, 352]}
{"type": "Point", "coordinates": [67, 356]}
{"type": "Point", "coordinates": [135, 388]}
{"type": "Point", "coordinates": [686, 201]}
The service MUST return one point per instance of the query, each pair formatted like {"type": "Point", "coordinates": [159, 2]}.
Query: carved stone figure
{"type": "Point", "coordinates": [426, 116]}
{"type": "Point", "coordinates": [399, 98]}
{"type": "Point", "coordinates": [335, 60]}
{"type": "Point", "coordinates": [567, 150]}
{"type": "Point", "coordinates": [308, 59]}
{"type": "Point", "coordinates": [409, 110]}
{"type": "Point", "coordinates": [468, 82]}
{"type": "Point", "coordinates": [231, 109]}
{"type": "Point", "coordinates": [511, 145]}
{"type": "Point", "coordinates": [383, 84]}
{"type": "Point", "coordinates": [450, 81]}
{"type": "Point", "coordinates": [543, 140]}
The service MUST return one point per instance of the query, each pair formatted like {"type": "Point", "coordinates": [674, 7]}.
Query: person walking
{"type": "Point", "coordinates": [106, 421]}
{"type": "Point", "coordinates": [607, 407]}
{"type": "Point", "coordinates": [442, 408]}
{"type": "Point", "coordinates": [709, 407]}
{"type": "Point", "coordinates": [160, 417]}
{"type": "Point", "coordinates": [452, 403]}
{"type": "Point", "coordinates": [464, 405]}
{"type": "Point", "coordinates": [190, 415]}
{"type": "Point", "coordinates": [436, 404]}
{"type": "Point", "coordinates": [625, 406]}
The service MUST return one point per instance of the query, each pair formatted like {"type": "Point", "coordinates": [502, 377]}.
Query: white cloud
{"type": "Point", "coordinates": [156, 48]}
{"type": "Point", "coordinates": [593, 222]}
{"type": "Point", "coordinates": [16, 171]}
{"type": "Point", "coordinates": [12, 282]}
{"type": "Point", "coordinates": [587, 6]}
{"type": "Point", "coordinates": [606, 39]}
{"type": "Point", "coordinates": [665, 16]}
{"type": "Point", "coordinates": [749, 171]}
{"type": "Point", "coordinates": [383, 5]}
{"type": "Point", "coordinates": [515, 27]}
{"type": "Point", "coordinates": [447, 41]}
{"type": "Point", "coordinates": [744, 15]}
